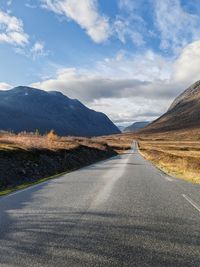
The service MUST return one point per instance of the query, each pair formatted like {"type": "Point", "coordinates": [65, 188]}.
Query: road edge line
{"type": "Point", "coordinates": [195, 205]}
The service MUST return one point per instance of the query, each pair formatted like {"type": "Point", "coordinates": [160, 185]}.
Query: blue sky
{"type": "Point", "coordinates": [127, 58]}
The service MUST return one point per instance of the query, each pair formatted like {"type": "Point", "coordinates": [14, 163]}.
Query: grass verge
{"type": "Point", "coordinates": [173, 160]}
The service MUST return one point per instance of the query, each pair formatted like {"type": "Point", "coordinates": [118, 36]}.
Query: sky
{"type": "Point", "coordinates": [126, 58]}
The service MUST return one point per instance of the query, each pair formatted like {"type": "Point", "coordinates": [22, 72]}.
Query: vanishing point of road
{"type": "Point", "coordinates": [119, 212]}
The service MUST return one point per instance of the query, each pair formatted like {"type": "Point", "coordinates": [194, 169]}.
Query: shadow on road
{"type": "Point", "coordinates": [58, 237]}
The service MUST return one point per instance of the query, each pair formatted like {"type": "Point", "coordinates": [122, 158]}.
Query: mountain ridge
{"type": "Point", "coordinates": [27, 109]}
{"type": "Point", "coordinates": [184, 112]}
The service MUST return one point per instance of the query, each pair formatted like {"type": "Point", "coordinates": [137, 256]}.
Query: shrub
{"type": "Point", "coordinates": [52, 136]}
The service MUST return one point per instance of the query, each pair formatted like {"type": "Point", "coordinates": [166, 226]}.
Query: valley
{"type": "Point", "coordinates": [99, 133]}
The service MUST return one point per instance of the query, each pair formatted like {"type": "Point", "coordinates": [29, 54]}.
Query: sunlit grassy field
{"type": "Point", "coordinates": [176, 153]}
{"type": "Point", "coordinates": [28, 141]}
{"type": "Point", "coordinates": [120, 143]}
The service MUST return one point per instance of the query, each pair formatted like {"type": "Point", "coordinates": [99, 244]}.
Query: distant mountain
{"type": "Point", "coordinates": [136, 126]}
{"type": "Point", "coordinates": [183, 113]}
{"type": "Point", "coordinates": [27, 109]}
{"type": "Point", "coordinates": [121, 128]}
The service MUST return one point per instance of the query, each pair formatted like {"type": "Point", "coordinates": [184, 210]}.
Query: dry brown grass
{"type": "Point", "coordinates": [51, 141]}
{"type": "Point", "coordinates": [176, 153]}
{"type": "Point", "coordinates": [120, 143]}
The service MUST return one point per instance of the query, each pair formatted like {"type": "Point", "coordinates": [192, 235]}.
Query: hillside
{"type": "Point", "coordinates": [184, 113]}
{"type": "Point", "coordinates": [27, 109]}
{"type": "Point", "coordinates": [136, 126]}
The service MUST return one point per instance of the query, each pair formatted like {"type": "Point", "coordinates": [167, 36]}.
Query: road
{"type": "Point", "coordinates": [119, 212]}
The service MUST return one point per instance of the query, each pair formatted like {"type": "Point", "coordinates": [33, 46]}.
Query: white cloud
{"type": "Point", "coordinates": [98, 27]}
{"type": "Point", "coordinates": [5, 86]}
{"type": "Point", "coordinates": [126, 87]}
{"type": "Point", "coordinates": [123, 28]}
{"type": "Point", "coordinates": [11, 30]}
{"type": "Point", "coordinates": [85, 13]}
{"type": "Point", "coordinates": [130, 87]}
{"type": "Point", "coordinates": [127, 4]}
{"type": "Point", "coordinates": [147, 66]}
{"type": "Point", "coordinates": [176, 26]}
{"type": "Point", "coordinates": [127, 110]}
{"type": "Point", "coordinates": [124, 75]}
{"type": "Point", "coordinates": [123, 100]}
{"type": "Point", "coordinates": [130, 25]}
{"type": "Point", "coordinates": [38, 49]}
{"type": "Point", "coordinates": [187, 65]}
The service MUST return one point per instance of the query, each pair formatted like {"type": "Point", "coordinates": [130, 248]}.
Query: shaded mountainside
{"type": "Point", "coordinates": [184, 113]}
{"type": "Point", "coordinates": [28, 109]}
{"type": "Point", "coordinates": [121, 127]}
{"type": "Point", "coordinates": [136, 126]}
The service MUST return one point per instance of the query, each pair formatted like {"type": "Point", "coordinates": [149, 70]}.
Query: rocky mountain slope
{"type": "Point", "coordinates": [184, 112]}
{"type": "Point", "coordinates": [27, 109]}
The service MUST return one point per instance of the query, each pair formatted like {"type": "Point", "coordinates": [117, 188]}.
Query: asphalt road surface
{"type": "Point", "coordinates": [120, 212]}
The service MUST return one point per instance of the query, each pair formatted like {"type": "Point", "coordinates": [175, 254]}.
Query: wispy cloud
{"type": "Point", "coordinates": [38, 49]}
{"type": "Point", "coordinates": [85, 13]}
{"type": "Point", "coordinates": [127, 4]}
{"type": "Point", "coordinates": [124, 30]}
{"type": "Point", "coordinates": [129, 24]}
{"type": "Point", "coordinates": [176, 26]}
{"type": "Point", "coordinates": [11, 30]}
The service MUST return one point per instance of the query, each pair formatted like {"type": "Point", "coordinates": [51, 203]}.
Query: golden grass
{"type": "Point", "coordinates": [179, 158]}
{"type": "Point", "coordinates": [189, 134]}
{"type": "Point", "coordinates": [120, 142]}
{"type": "Point", "coordinates": [29, 141]}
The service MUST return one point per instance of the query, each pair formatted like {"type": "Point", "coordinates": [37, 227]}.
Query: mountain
{"type": "Point", "coordinates": [27, 109]}
{"type": "Point", "coordinates": [136, 126]}
{"type": "Point", "coordinates": [121, 127]}
{"type": "Point", "coordinates": [183, 113]}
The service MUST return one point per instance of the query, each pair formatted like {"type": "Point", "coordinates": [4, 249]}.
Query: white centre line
{"type": "Point", "coordinates": [195, 205]}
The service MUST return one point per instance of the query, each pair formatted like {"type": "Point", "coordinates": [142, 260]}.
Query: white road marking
{"type": "Point", "coordinates": [195, 205]}
{"type": "Point", "coordinates": [110, 178]}
{"type": "Point", "coordinates": [168, 179]}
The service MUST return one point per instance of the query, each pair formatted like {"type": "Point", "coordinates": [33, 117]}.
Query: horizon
{"type": "Point", "coordinates": [123, 58]}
